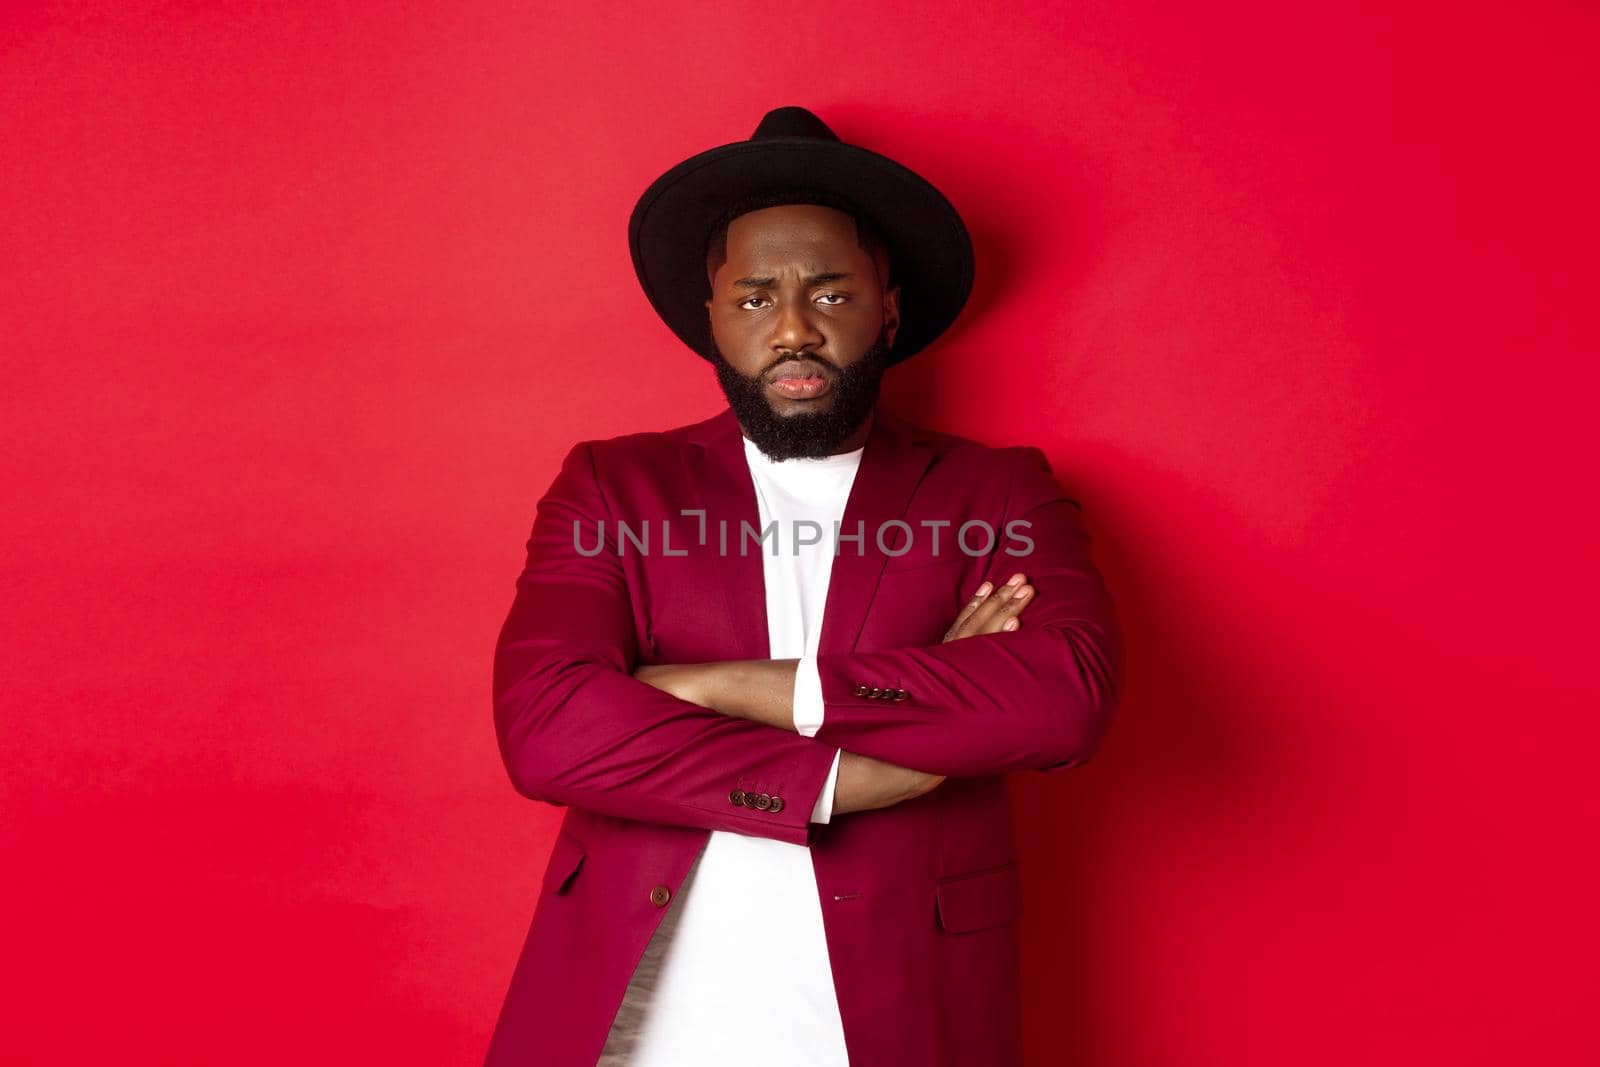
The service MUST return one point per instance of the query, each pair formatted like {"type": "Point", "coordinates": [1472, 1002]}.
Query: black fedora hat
{"type": "Point", "coordinates": [930, 252]}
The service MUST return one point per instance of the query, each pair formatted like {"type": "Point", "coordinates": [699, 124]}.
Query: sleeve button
{"type": "Point", "coordinates": [737, 796]}
{"type": "Point", "coordinates": [777, 805]}
{"type": "Point", "coordinates": [763, 802]}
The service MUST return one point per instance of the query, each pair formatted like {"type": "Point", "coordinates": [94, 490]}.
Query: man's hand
{"type": "Point", "coordinates": [988, 613]}
{"type": "Point", "coordinates": [865, 783]}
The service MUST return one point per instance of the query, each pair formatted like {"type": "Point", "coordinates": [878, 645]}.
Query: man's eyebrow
{"type": "Point", "coordinates": [813, 279]}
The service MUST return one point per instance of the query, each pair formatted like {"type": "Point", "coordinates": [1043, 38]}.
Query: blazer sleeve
{"type": "Point", "coordinates": [576, 729]}
{"type": "Point", "coordinates": [1036, 698]}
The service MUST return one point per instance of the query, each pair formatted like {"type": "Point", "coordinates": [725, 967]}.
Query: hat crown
{"type": "Point", "coordinates": [792, 122]}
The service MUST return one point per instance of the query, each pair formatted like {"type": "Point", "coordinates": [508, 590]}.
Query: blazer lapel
{"type": "Point", "coordinates": [892, 463]}
{"type": "Point", "coordinates": [720, 485]}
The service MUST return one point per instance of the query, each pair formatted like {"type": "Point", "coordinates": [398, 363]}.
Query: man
{"type": "Point", "coordinates": [787, 837]}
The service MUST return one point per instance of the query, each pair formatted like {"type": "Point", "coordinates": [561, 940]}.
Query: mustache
{"type": "Point", "coordinates": [821, 366]}
{"type": "Point", "coordinates": [811, 433]}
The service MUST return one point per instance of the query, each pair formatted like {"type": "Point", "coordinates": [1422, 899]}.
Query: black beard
{"type": "Point", "coordinates": [810, 435]}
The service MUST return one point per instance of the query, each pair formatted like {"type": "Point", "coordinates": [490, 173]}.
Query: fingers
{"type": "Point", "coordinates": [993, 612]}
{"type": "Point", "coordinates": [966, 612]}
{"type": "Point", "coordinates": [1000, 611]}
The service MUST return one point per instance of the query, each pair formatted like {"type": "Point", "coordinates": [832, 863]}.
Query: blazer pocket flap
{"type": "Point", "coordinates": [979, 900]}
{"type": "Point", "coordinates": [565, 859]}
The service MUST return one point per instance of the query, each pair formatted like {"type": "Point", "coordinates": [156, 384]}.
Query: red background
{"type": "Point", "coordinates": [302, 309]}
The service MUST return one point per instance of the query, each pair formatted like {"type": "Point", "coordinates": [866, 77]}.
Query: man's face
{"type": "Point", "coordinates": [802, 324]}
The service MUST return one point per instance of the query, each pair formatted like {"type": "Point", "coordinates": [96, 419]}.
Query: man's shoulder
{"type": "Point", "coordinates": [955, 450]}
{"type": "Point", "coordinates": [982, 473]}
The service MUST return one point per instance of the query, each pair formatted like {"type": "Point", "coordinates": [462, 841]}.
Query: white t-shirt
{"type": "Point", "coordinates": [750, 905]}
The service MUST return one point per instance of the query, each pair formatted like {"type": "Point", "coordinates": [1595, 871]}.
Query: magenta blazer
{"type": "Point", "coordinates": [921, 900]}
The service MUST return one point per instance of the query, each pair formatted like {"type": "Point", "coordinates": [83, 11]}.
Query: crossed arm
{"type": "Point", "coordinates": [576, 727]}
{"type": "Point", "coordinates": [1038, 697]}
{"type": "Point", "coordinates": [763, 691]}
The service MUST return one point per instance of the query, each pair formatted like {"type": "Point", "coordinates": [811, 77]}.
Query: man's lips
{"type": "Point", "coordinates": [798, 379]}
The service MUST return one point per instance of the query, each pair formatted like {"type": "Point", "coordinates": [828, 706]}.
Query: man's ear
{"type": "Point", "coordinates": [891, 312]}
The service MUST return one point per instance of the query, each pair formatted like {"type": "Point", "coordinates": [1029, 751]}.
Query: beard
{"type": "Point", "coordinates": [810, 434]}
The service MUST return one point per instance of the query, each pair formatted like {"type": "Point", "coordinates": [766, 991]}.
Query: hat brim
{"type": "Point", "coordinates": [930, 249]}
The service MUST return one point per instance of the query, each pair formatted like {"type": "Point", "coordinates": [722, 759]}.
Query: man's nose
{"type": "Point", "coordinates": [793, 328]}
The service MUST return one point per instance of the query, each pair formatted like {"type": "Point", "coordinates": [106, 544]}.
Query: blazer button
{"type": "Point", "coordinates": [777, 805]}
{"type": "Point", "coordinates": [860, 690]}
{"type": "Point", "coordinates": [749, 800]}
{"type": "Point", "coordinates": [660, 895]}
{"type": "Point", "coordinates": [900, 694]}
{"type": "Point", "coordinates": [874, 692]}
{"type": "Point", "coordinates": [763, 802]}
{"type": "Point", "coordinates": [737, 796]}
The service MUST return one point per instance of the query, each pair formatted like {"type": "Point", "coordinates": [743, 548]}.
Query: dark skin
{"type": "Point", "coordinates": [797, 289]}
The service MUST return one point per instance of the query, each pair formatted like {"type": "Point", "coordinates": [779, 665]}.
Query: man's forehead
{"type": "Point", "coordinates": [791, 224]}
{"type": "Point", "coordinates": [794, 244]}
{"type": "Point", "coordinates": [779, 261]}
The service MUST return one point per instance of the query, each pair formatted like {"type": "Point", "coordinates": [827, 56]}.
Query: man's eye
{"type": "Point", "coordinates": [839, 297]}
{"type": "Point", "coordinates": [745, 303]}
